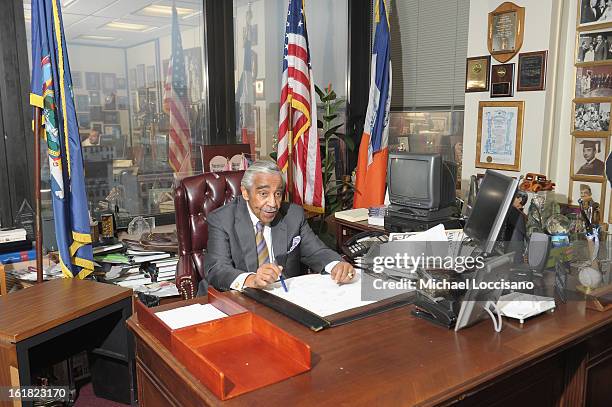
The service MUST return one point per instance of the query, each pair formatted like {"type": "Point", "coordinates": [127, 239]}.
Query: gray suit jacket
{"type": "Point", "coordinates": [231, 246]}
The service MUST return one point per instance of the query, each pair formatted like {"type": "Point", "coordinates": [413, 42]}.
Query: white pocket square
{"type": "Point", "coordinates": [294, 243]}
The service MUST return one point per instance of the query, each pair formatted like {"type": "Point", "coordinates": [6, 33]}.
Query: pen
{"type": "Point", "coordinates": [282, 280]}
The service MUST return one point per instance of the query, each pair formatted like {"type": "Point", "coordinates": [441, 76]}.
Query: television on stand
{"type": "Point", "coordinates": [421, 186]}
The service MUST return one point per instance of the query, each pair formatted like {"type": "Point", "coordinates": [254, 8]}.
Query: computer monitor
{"type": "Point", "coordinates": [477, 300]}
{"type": "Point", "coordinates": [495, 196]}
{"type": "Point", "coordinates": [421, 181]}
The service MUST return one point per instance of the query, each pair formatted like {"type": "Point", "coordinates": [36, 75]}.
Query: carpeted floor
{"type": "Point", "coordinates": [87, 398]}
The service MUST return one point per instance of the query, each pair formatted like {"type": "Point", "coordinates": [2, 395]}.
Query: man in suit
{"type": "Point", "coordinates": [256, 237]}
{"type": "Point", "coordinates": [593, 165]}
{"type": "Point", "coordinates": [590, 11]}
{"type": "Point", "coordinates": [601, 48]}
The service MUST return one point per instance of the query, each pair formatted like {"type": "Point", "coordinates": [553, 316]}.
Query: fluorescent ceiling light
{"type": "Point", "coordinates": [96, 38]}
{"type": "Point", "coordinates": [66, 3]}
{"type": "Point", "coordinates": [158, 10]}
{"type": "Point", "coordinates": [119, 26]}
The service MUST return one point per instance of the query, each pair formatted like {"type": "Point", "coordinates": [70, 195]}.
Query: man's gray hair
{"type": "Point", "coordinates": [260, 167]}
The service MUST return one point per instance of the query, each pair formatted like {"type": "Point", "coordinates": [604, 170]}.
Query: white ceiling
{"type": "Point", "coordinates": [88, 17]}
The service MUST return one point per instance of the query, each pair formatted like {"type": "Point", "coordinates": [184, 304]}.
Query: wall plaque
{"type": "Point", "coordinates": [531, 71]}
{"type": "Point", "coordinates": [502, 80]}
{"type": "Point", "coordinates": [505, 34]}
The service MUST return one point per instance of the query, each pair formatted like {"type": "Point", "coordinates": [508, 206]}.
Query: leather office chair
{"type": "Point", "coordinates": [194, 198]}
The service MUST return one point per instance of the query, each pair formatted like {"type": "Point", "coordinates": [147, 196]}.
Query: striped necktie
{"type": "Point", "coordinates": [263, 256]}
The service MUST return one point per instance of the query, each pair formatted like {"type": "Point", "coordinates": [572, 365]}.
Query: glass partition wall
{"type": "Point", "coordinates": [120, 58]}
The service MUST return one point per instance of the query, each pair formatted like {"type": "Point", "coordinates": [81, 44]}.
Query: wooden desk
{"type": "Point", "coordinates": [48, 322]}
{"type": "Point", "coordinates": [564, 359]}
{"type": "Point", "coordinates": [346, 229]}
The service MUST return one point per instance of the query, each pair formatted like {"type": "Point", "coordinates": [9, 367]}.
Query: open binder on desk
{"type": "Point", "coordinates": [316, 301]}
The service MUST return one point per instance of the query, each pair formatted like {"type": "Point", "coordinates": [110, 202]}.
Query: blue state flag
{"type": "Point", "coordinates": [52, 92]}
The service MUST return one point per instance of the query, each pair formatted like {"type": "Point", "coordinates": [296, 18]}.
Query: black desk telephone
{"type": "Point", "coordinates": [360, 244]}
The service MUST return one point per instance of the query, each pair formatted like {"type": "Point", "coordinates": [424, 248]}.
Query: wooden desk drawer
{"type": "Point", "coordinates": [599, 343]}
{"type": "Point", "coordinates": [151, 393]}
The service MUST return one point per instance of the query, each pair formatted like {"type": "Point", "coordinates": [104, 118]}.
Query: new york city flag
{"type": "Point", "coordinates": [52, 92]}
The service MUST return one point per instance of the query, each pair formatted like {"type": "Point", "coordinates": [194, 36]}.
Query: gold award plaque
{"type": "Point", "coordinates": [477, 74]}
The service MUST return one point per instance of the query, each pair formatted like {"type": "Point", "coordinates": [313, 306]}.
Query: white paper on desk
{"type": "Point", "coordinates": [190, 315]}
{"type": "Point", "coordinates": [321, 295]}
{"type": "Point", "coordinates": [435, 234]}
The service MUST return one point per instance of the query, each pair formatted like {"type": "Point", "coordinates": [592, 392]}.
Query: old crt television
{"type": "Point", "coordinates": [424, 182]}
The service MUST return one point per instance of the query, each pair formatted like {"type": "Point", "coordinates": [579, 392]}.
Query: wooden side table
{"type": "Point", "coordinates": [52, 321]}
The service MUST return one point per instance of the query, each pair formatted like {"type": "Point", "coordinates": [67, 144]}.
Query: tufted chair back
{"type": "Point", "coordinates": [194, 198]}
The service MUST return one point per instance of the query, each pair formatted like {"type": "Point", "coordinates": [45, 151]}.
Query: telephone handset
{"type": "Point", "coordinates": [359, 244]}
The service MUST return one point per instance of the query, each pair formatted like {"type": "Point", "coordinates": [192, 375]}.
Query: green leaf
{"type": "Point", "coordinates": [337, 104]}
{"type": "Point", "coordinates": [273, 155]}
{"type": "Point", "coordinates": [320, 93]}
{"type": "Point", "coordinates": [319, 124]}
{"type": "Point", "coordinates": [348, 140]}
{"type": "Point", "coordinates": [330, 117]}
{"type": "Point", "coordinates": [331, 131]}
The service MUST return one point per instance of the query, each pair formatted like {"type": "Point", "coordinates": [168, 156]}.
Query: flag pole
{"type": "Point", "coordinates": [37, 197]}
{"type": "Point", "coordinates": [290, 152]}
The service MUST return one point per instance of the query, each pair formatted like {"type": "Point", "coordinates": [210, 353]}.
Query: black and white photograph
{"type": "Point", "coordinates": [77, 79]}
{"type": "Point", "coordinates": [594, 46]}
{"type": "Point", "coordinates": [591, 117]}
{"type": "Point", "coordinates": [594, 81]}
{"type": "Point", "coordinates": [97, 126]}
{"type": "Point", "coordinates": [595, 12]}
{"type": "Point", "coordinates": [121, 83]}
{"type": "Point", "coordinates": [587, 191]}
{"type": "Point", "coordinates": [94, 98]}
{"type": "Point", "coordinates": [82, 103]}
{"type": "Point", "coordinates": [92, 80]}
{"type": "Point", "coordinates": [589, 157]}
{"type": "Point", "coordinates": [109, 82]}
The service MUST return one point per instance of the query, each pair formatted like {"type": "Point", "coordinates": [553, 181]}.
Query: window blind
{"type": "Point", "coordinates": [428, 53]}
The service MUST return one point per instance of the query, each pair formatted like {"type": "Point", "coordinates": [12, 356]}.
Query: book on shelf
{"type": "Point", "coordinates": [12, 235]}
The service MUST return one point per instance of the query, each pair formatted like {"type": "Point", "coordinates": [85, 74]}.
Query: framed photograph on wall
{"type": "Point", "coordinates": [110, 102]}
{"type": "Point", "coordinates": [83, 120]}
{"type": "Point", "coordinates": [109, 82]}
{"type": "Point", "coordinates": [583, 189]}
{"type": "Point", "coordinates": [77, 80]}
{"type": "Point", "coordinates": [92, 80]}
{"type": "Point", "coordinates": [477, 73]}
{"type": "Point", "coordinates": [94, 98]}
{"type": "Point", "coordinates": [593, 12]}
{"type": "Point", "coordinates": [594, 47]}
{"type": "Point", "coordinates": [594, 81]}
{"type": "Point", "coordinates": [95, 112]}
{"type": "Point", "coordinates": [121, 83]}
{"type": "Point", "coordinates": [110, 117]}
{"type": "Point", "coordinates": [531, 71]}
{"type": "Point", "coordinates": [591, 117]}
{"type": "Point", "coordinates": [82, 103]}
{"type": "Point", "coordinates": [588, 158]}
{"type": "Point", "coordinates": [500, 135]}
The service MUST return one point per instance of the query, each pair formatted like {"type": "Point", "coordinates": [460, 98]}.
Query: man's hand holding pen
{"type": "Point", "coordinates": [266, 274]}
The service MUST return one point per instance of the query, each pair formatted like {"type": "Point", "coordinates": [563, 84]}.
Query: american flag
{"type": "Point", "coordinates": [176, 103]}
{"type": "Point", "coordinates": [298, 115]}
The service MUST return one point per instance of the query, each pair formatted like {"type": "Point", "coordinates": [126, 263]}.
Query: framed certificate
{"type": "Point", "coordinates": [477, 74]}
{"type": "Point", "coordinates": [505, 31]}
{"type": "Point", "coordinates": [500, 135]}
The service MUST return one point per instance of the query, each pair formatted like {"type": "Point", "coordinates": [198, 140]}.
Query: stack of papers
{"type": "Point", "coordinates": [190, 315]}
{"type": "Point", "coordinates": [353, 215]}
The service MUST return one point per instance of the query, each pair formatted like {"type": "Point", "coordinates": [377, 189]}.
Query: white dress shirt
{"type": "Point", "coordinates": [238, 283]}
